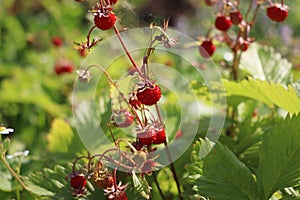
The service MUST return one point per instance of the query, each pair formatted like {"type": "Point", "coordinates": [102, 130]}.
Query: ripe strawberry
{"type": "Point", "coordinates": [146, 137]}
{"type": "Point", "coordinates": [149, 95]}
{"type": "Point", "coordinates": [78, 181]}
{"type": "Point", "coordinates": [57, 41]}
{"type": "Point", "coordinates": [105, 22]}
{"type": "Point", "coordinates": [137, 145]}
{"type": "Point", "coordinates": [223, 23]}
{"type": "Point", "coordinates": [122, 119]}
{"type": "Point", "coordinates": [277, 12]}
{"type": "Point", "coordinates": [135, 103]}
{"type": "Point", "coordinates": [207, 48]}
{"type": "Point", "coordinates": [236, 17]}
{"type": "Point", "coordinates": [63, 66]}
{"type": "Point", "coordinates": [160, 137]}
{"type": "Point", "coordinates": [111, 2]}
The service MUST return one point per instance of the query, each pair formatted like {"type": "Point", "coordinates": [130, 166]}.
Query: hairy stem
{"type": "Point", "coordinates": [157, 185]}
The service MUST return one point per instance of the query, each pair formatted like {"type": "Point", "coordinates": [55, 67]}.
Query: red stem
{"type": "Point", "coordinates": [127, 52]}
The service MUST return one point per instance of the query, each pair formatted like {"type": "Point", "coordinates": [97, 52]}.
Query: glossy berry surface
{"type": "Point", "coordinates": [277, 12]}
{"type": "Point", "coordinates": [122, 119]}
{"type": "Point", "coordinates": [78, 181]}
{"type": "Point", "coordinates": [149, 95]}
{"type": "Point", "coordinates": [135, 103]}
{"type": "Point", "coordinates": [236, 17]}
{"type": "Point", "coordinates": [223, 23]}
{"type": "Point", "coordinates": [147, 137]}
{"type": "Point", "coordinates": [105, 22]}
{"type": "Point", "coordinates": [160, 137]}
{"type": "Point", "coordinates": [207, 49]}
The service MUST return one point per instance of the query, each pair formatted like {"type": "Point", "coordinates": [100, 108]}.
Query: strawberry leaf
{"type": "Point", "coordinates": [263, 63]}
{"type": "Point", "coordinates": [219, 180]}
{"type": "Point", "coordinates": [279, 157]}
{"type": "Point", "coordinates": [268, 93]}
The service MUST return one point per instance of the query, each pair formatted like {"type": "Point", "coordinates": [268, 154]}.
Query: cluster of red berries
{"type": "Point", "coordinates": [223, 22]}
{"type": "Point", "coordinates": [101, 178]}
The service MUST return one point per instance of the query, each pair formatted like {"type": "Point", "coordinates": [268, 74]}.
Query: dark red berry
{"type": "Point", "coordinates": [78, 181]}
{"type": "Point", "coordinates": [137, 145]}
{"type": "Point", "coordinates": [149, 95]}
{"type": "Point", "coordinates": [111, 2]}
{"type": "Point", "coordinates": [223, 23]}
{"type": "Point", "coordinates": [236, 17]}
{"type": "Point", "coordinates": [122, 196]}
{"type": "Point", "coordinates": [277, 12]}
{"type": "Point", "coordinates": [146, 137]}
{"type": "Point", "coordinates": [135, 103]}
{"type": "Point", "coordinates": [160, 137]}
{"type": "Point", "coordinates": [105, 21]}
{"type": "Point", "coordinates": [63, 66]}
{"type": "Point", "coordinates": [57, 41]}
{"type": "Point", "coordinates": [245, 45]}
{"type": "Point", "coordinates": [122, 119]}
{"type": "Point", "coordinates": [210, 2]}
{"type": "Point", "coordinates": [106, 182]}
{"type": "Point", "coordinates": [207, 48]}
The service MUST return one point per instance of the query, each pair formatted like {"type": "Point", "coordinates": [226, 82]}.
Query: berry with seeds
{"type": "Point", "coordinates": [207, 48]}
{"type": "Point", "coordinates": [122, 119]}
{"type": "Point", "coordinates": [236, 17]}
{"type": "Point", "coordinates": [78, 181]}
{"type": "Point", "coordinates": [146, 137]}
{"type": "Point", "coordinates": [105, 21]}
{"type": "Point", "coordinates": [149, 95]}
{"type": "Point", "coordinates": [223, 23]}
{"type": "Point", "coordinates": [160, 137]}
{"type": "Point", "coordinates": [135, 103]}
{"type": "Point", "coordinates": [277, 12]}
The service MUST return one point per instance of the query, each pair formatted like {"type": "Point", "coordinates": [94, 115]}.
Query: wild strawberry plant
{"type": "Point", "coordinates": [255, 157]}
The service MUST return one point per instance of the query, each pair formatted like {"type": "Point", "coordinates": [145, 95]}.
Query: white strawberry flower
{"type": "Point", "coordinates": [4, 130]}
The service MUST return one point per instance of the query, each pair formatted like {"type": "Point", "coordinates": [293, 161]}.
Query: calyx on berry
{"type": "Point", "coordinates": [277, 12]}
{"type": "Point", "coordinates": [223, 23]}
{"type": "Point", "coordinates": [122, 118]}
{"type": "Point", "coordinates": [104, 19]}
{"type": "Point", "coordinates": [207, 48]}
{"type": "Point", "coordinates": [149, 95]}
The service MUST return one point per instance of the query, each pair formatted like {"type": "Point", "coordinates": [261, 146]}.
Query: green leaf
{"type": "Point", "coordinates": [60, 137]}
{"type": "Point", "coordinates": [279, 157]}
{"type": "Point", "coordinates": [268, 93]}
{"type": "Point", "coordinates": [263, 63]}
{"type": "Point", "coordinates": [37, 190]}
{"type": "Point", "coordinates": [141, 185]}
{"type": "Point", "coordinates": [224, 177]}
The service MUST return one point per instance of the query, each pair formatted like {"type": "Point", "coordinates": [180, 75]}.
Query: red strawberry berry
{"type": "Point", "coordinates": [160, 137]}
{"type": "Point", "coordinates": [78, 181]}
{"type": "Point", "coordinates": [122, 196]}
{"type": "Point", "coordinates": [146, 137]}
{"type": "Point", "coordinates": [277, 12]}
{"type": "Point", "coordinates": [223, 23]}
{"type": "Point", "coordinates": [245, 45]}
{"type": "Point", "coordinates": [105, 22]}
{"type": "Point", "coordinates": [106, 182]}
{"type": "Point", "coordinates": [207, 48]}
{"type": "Point", "coordinates": [63, 66]}
{"type": "Point", "coordinates": [111, 2]}
{"type": "Point", "coordinates": [149, 95]}
{"type": "Point", "coordinates": [236, 17]}
{"type": "Point", "coordinates": [122, 119]}
{"type": "Point", "coordinates": [57, 41]}
{"type": "Point", "coordinates": [135, 103]}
